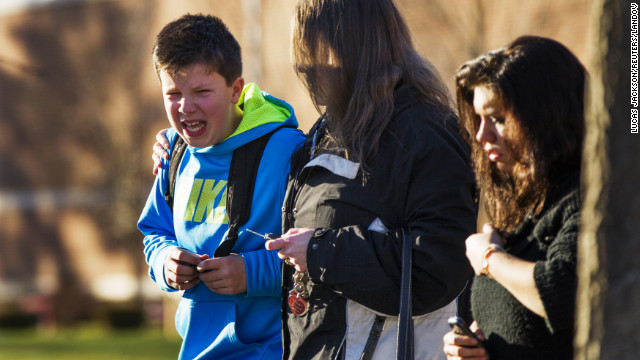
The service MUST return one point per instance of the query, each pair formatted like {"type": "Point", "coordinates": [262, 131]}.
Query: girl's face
{"type": "Point", "coordinates": [320, 75]}
{"type": "Point", "coordinates": [315, 78]}
{"type": "Point", "coordinates": [491, 133]}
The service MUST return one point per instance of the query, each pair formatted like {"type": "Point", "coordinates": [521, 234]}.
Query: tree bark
{"type": "Point", "coordinates": [608, 301]}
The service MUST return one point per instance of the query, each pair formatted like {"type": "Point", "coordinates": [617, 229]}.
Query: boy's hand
{"type": "Point", "coordinates": [224, 275]}
{"type": "Point", "coordinates": [160, 150]}
{"type": "Point", "coordinates": [180, 268]}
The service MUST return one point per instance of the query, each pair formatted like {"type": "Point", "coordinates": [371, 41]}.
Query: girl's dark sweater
{"type": "Point", "coordinates": [550, 240]}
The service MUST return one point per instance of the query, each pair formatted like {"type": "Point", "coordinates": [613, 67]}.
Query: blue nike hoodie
{"type": "Point", "coordinates": [218, 326]}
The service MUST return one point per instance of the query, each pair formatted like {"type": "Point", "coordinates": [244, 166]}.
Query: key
{"type": "Point", "coordinates": [267, 236]}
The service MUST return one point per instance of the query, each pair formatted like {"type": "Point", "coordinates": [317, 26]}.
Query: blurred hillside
{"type": "Point", "coordinates": [80, 103]}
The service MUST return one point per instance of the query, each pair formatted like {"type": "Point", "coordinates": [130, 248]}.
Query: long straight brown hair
{"type": "Point", "coordinates": [350, 55]}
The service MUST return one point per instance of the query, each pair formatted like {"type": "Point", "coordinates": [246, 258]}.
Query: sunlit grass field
{"type": "Point", "coordinates": [88, 343]}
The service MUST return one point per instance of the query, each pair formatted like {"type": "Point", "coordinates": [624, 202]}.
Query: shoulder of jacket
{"type": "Point", "coordinates": [425, 125]}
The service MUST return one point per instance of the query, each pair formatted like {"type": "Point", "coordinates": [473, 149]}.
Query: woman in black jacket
{"type": "Point", "coordinates": [386, 154]}
{"type": "Point", "coordinates": [522, 111]}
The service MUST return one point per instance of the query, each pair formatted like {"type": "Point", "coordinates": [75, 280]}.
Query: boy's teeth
{"type": "Point", "coordinates": [195, 126]}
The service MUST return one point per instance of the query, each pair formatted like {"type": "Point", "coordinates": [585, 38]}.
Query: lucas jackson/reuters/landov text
{"type": "Point", "coordinates": [634, 68]}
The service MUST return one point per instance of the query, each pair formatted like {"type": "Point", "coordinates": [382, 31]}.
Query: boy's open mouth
{"type": "Point", "coordinates": [194, 128]}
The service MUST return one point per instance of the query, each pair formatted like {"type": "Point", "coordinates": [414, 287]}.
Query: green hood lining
{"type": "Point", "coordinates": [256, 110]}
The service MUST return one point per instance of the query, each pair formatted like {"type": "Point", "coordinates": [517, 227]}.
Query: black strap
{"type": "Point", "coordinates": [299, 159]}
{"type": "Point", "coordinates": [404, 351]}
{"type": "Point", "coordinates": [242, 177]}
{"type": "Point", "coordinates": [177, 151]}
{"type": "Point", "coordinates": [374, 336]}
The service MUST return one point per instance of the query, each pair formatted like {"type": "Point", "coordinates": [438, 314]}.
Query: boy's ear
{"type": "Point", "coordinates": [237, 86]}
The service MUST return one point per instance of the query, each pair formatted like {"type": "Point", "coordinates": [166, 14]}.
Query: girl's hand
{"type": "Point", "coordinates": [478, 243]}
{"type": "Point", "coordinates": [293, 247]}
{"type": "Point", "coordinates": [160, 150]}
{"type": "Point", "coordinates": [458, 346]}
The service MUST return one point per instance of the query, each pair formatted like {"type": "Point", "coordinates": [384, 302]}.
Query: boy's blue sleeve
{"type": "Point", "coordinates": [263, 268]}
{"type": "Point", "coordinates": [156, 223]}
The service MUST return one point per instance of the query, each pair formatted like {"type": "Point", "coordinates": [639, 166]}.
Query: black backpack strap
{"type": "Point", "coordinates": [177, 152]}
{"type": "Point", "coordinates": [242, 178]}
{"type": "Point", "coordinates": [299, 159]}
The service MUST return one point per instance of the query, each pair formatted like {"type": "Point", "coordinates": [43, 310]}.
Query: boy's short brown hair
{"type": "Point", "coordinates": [198, 39]}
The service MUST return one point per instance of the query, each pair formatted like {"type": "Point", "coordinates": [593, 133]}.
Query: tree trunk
{"type": "Point", "coordinates": [608, 325]}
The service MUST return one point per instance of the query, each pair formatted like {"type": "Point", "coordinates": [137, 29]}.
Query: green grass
{"type": "Point", "coordinates": [88, 343]}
